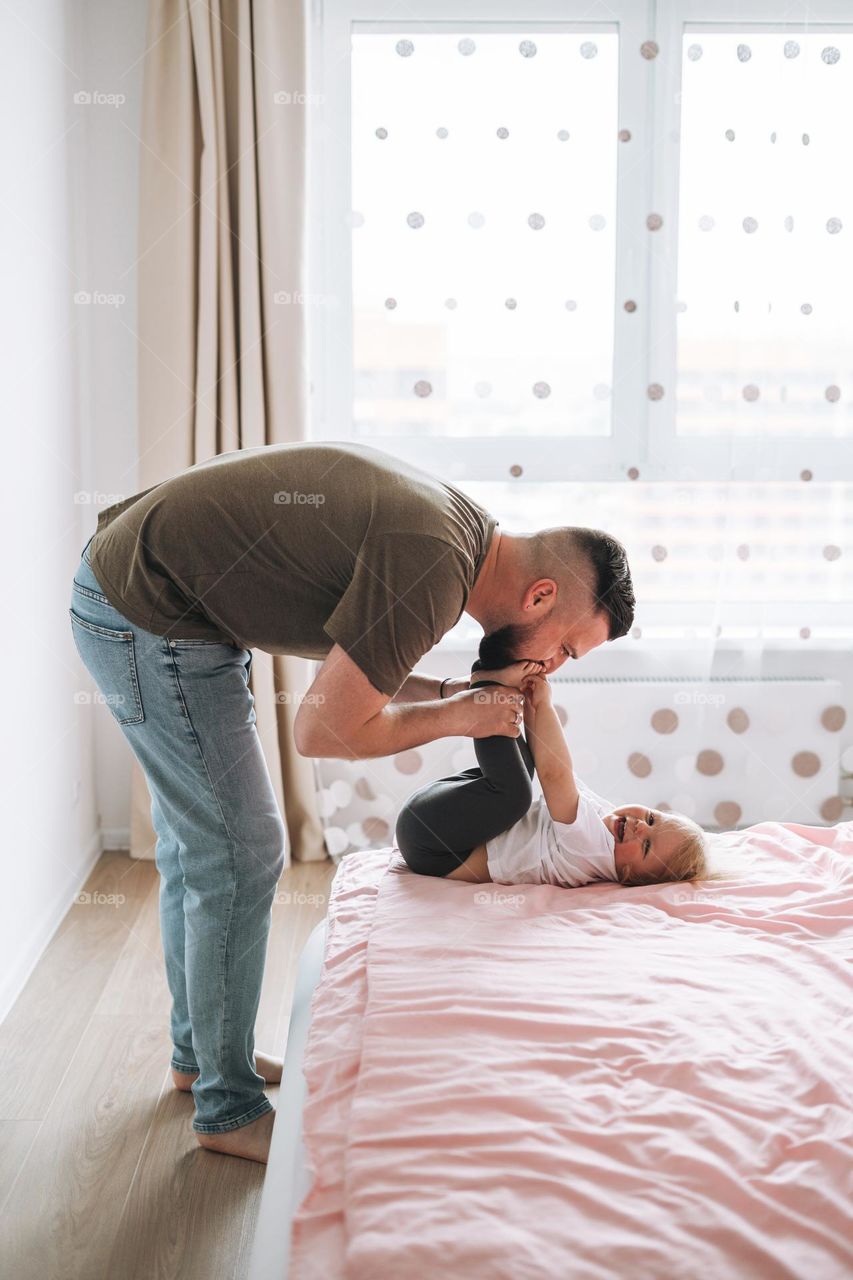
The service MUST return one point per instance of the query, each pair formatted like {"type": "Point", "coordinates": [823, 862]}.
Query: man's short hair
{"type": "Point", "coordinates": [611, 584]}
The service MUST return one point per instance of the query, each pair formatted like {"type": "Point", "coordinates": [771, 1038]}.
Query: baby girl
{"type": "Point", "coordinates": [481, 824]}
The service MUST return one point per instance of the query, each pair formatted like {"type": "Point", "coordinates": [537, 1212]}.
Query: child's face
{"type": "Point", "coordinates": [644, 838]}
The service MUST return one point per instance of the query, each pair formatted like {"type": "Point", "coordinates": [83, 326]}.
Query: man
{"type": "Point", "coordinates": [334, 552]}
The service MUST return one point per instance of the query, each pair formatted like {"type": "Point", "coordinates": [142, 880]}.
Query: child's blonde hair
{"type": "Point", "coordinates": [688, 861]}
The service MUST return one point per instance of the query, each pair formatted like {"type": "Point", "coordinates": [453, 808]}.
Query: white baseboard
{"type": "Point", "coordinates": [18, 974]}
{"type": "Point", "coordinates": [115, 838]}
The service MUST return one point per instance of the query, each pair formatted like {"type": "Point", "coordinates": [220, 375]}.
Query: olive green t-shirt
{"type": "Point", "coordinates": [291, 548]}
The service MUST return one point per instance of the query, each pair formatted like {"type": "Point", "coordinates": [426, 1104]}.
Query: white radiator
{"type": "Point", "coordinates": [728, 753]}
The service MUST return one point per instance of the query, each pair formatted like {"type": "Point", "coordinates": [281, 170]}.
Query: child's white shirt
{"type": "Point", "coordinates": [538, 850]}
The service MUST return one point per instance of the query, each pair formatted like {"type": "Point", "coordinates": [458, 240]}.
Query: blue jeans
{"type": "Point", "coordinates": [186, 710]}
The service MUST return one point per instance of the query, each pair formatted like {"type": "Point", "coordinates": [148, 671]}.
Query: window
{"type": "Point", "coordinates": [482, 299]}
{"type": "Point", "coordinates": [470, 171]}
{"type": "Point", "coordinates": [592, 259]}
{"type": "Point", "coordinates": [764, 333]}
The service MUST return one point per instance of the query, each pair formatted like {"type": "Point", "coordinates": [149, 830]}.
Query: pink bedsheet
{"type": "Point", "coordinates": [600, 1082]}
{"type": "Point", "coordinates": [331, 1063]}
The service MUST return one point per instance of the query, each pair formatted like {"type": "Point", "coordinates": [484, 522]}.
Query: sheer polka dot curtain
{"type": "Point", "coordinates": [606, 257]}
{"type": "Point", "coordinates": [764, 333]}
{"type": "Point", "coordinates": [590, 265]}
{"type": "Point", "coordinates": [602, 254]}
{"type": "Point", "coordinates": [711, 561]}
{"type": "Point", "coordinates": [727, 753]}
{"type": "Point", "coordinates": [461, 157]}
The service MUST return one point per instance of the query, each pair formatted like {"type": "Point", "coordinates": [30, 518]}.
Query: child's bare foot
{"type": "Point", "coordinates": [252, 1142]}
{"type": "Point", "coordinates": [266, 1066]}
{"type": "Point", "coordinates": [513, 674]}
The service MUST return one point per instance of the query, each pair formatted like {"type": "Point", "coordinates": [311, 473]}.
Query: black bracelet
{"type": "Point", "coordinates": [441, 686]}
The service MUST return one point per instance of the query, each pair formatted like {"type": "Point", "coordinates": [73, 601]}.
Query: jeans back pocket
{"type": "Point", "coordinates": [109, 657]}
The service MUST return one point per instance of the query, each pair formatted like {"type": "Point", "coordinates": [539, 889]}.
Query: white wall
{"type": "Point", "coordinates": [110, 38]}
{"type": "Point", "coordinates": [67, 223]}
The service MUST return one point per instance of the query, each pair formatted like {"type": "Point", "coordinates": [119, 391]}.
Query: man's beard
{"type": "Point", "coordinates": [509, 644]}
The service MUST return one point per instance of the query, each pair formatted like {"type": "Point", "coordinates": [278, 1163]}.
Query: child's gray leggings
{"type": "Point", "coordinates": [443, 821]}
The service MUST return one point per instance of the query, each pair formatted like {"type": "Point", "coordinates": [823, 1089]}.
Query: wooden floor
{"type": "Point", "coordinates": [100, 1175]}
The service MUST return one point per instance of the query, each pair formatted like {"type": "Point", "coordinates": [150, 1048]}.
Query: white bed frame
{"type": "Point", "coordinates": [287, 1179]}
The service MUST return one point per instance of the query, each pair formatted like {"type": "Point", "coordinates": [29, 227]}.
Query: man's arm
{"type": "Point", "coordinates": [550, 752]}
{"type": "Point", "coordinates": [428, 688]}
{"type": "Point", "coordinates": [344, 716]}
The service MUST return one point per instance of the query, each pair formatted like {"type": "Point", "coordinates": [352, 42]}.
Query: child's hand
{"type": "Point", "coordinates": [537, 692]}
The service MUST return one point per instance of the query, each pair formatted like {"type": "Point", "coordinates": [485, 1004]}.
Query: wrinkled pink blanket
{"type": "Point", "coordinates": [331, 1064]}
{"type": "Point", "coordinates": [533, 1082]}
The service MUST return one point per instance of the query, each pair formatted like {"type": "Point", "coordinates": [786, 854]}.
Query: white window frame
{"type": "Point", "coordinates": [643, 431]}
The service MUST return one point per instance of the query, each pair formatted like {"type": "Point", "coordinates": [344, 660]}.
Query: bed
{"type": "Point", "coordinates": [520, 1082]}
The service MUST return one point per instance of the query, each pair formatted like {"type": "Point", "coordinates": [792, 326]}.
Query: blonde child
{"type": "Point", "coordinates": [482, 824]}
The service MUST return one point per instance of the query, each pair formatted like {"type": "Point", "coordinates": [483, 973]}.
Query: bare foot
{"type": "Point", "coordinates": [269, 1068]}
{"type": "Point", "coordinates": [252, 1142]}
{"type": "Point", "coordinates": [513, 674]}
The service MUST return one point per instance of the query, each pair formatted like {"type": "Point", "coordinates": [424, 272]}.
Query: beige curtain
{"type": "Point", "coordinates": [221, 363]}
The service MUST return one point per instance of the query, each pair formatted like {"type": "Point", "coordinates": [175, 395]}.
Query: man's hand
{"type": "Point", "coordinates": [345, 717]}
{"type": "Point", "coordinates": [490, 711]}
